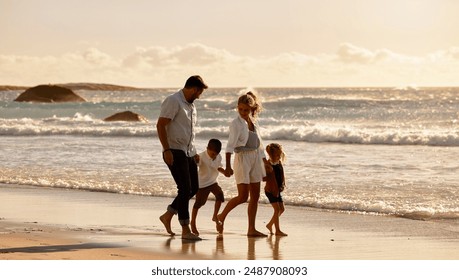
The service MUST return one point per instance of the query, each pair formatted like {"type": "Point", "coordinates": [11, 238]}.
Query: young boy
{"type": "Point", "coordinates": [210, 164]}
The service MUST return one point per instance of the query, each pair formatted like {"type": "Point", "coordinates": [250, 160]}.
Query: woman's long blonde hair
{"type": "Point", "coordinates": [252, 101]}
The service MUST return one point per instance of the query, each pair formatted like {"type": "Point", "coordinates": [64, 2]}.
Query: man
{"type": "Point", "coordinates": [175, 128]}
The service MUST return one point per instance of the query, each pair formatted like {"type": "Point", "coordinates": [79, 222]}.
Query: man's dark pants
{"type": "Point", "coordinates": [185, 173]}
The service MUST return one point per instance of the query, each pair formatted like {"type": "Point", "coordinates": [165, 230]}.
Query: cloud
{"type": "Point", "coordinates": [450, 54]}
{"type": "Point", "coordinates": [351, 54]}
{"type": "Point", "coordinates": [159, 66]}
{"type": "Point", "coordinates": [348, 53]}
{"type": "Point", "coordinates": [96, 57]}
{"type": "Point", "coordinates": [190, 55]}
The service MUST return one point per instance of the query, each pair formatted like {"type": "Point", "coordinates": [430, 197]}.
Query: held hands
{"type": "Point", "coordinates": [268, 167]}
{"type": "Point", "coordinates": [196, 158]}
{"type": "Point", "coordinates": [228, 172]}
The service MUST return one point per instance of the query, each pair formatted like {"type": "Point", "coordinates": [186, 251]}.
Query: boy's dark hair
{"type": "Point", "coordinates": [215, 145]}
{"type": "Point", "coordinates": [195, 81]}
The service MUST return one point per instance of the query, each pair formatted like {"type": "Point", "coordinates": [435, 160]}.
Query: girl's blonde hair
{"type": "Point", "coordinates": [271, 148]}
{"type": "Point", "coordinates": [252, 101]}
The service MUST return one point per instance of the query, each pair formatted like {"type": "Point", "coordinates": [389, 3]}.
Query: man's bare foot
{"type": "Point", "coordinates": [270, 228]}
{"type": "Point", "coordinates": [256, 233]}
{"type": "Point", "coordinates": [167, 223]}
{"type": "Point", "coordinates": [190, 236]}
{"type": "Point", "coordinates": [194, 229]}
{"type": "Point", "coordinates": [281, 233]}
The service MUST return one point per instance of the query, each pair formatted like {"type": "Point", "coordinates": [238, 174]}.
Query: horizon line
{"type": "Point", "coordinates": [19, 87]}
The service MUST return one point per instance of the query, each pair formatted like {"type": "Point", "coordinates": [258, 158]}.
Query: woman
{"type": "Point", "coordinates": [249, 162]}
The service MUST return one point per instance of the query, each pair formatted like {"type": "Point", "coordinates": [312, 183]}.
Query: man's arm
{"type": "Point", "coordinates": [162, 135]}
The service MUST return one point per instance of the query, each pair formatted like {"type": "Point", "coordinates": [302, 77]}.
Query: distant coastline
{"type": "Point", "coordinates": [4, 88]}
{"type": "Point", "coordinates": [78, 86]}
{"type": "Point", "coordinates": [113, 87]}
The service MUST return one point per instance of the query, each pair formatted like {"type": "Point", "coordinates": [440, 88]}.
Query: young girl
{"type": "Point", "coordinates": [275, 183]}
{"type": "Point", "coordinates": [249, 160]}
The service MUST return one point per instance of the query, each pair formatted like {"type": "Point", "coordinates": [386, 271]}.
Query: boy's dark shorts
{"type": "Point", "coordinates": [203, 194]}
{"type": "Point", "coordinates": [272, 198]}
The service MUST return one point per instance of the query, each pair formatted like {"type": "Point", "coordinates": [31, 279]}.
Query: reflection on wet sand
{"type": "Point", "coordinates": [219, 246]}
{"type": "Point", "coordinates": [256, 247]}
{"type": "Point", "coordinates": [188, 246]}
{"type": "Point", "coordinates": [274, 245]}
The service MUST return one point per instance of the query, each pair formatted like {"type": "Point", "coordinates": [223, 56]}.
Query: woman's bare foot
{"type": "Point", "coordinates": [256, 233]}
{"type": "Point", "coordinates": [281, 233]}
{"type": "Point", "coordinates": [270, 228]}
{"type": "Point", "coordinates": [164, 218]}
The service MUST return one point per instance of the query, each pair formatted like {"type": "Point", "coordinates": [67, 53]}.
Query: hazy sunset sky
{"type": "Point", "coordinates": [230, 43]}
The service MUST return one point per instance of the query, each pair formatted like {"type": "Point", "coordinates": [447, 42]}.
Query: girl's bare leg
{"type": "Point", "coordinates": [275, 217]}
{"type": "Point", "coordinates": [278, 210]}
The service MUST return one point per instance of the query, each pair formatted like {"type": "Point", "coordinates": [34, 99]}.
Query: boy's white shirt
{"type": "Point", "coordinates": [208, 169]}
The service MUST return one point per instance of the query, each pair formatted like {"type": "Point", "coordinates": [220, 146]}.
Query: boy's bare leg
{"type": "Point", "coordinates": [194, 214]}
{"type": "Point", "coordinates": [217, 206]}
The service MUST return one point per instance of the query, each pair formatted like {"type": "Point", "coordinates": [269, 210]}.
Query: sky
{"type": "Point", "coordinates": [238, 43]}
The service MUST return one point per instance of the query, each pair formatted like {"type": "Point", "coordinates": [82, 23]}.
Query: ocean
{"type": "Point", "coordinates": [378, 151]}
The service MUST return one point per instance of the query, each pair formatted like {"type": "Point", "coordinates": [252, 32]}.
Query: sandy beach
{"type": "Point", "coordinates": [61, 224]}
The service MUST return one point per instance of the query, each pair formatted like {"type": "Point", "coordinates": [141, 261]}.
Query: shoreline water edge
{"type": "Point", "coordinates": [49, 223]}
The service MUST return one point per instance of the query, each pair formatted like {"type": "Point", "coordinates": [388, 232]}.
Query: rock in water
{"type": "Point", "coordinates": [49, 94]}
{"type": "Point", "coordinates": [126, 116]}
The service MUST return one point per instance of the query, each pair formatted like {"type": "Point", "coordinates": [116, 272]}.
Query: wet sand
{"type": "Point", "coordinates": [62, 224]}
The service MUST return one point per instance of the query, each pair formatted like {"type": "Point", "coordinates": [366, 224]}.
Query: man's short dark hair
{"type": "Point", "coordinates": [195, 82]}
{"type": "Point", "coordinates": [215, 145]}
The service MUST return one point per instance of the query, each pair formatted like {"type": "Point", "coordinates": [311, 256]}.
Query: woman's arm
{"type": "Point", "coordinates": [228, 170]}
